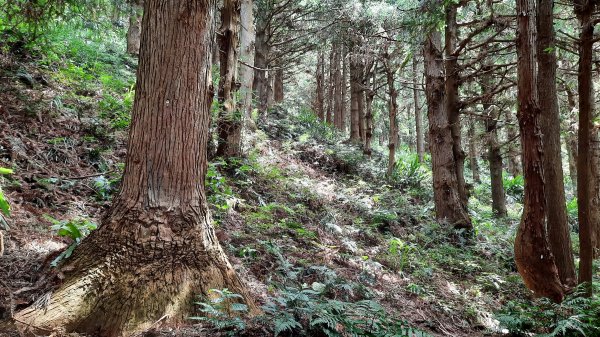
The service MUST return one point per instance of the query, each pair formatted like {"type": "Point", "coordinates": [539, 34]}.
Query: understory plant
{"type": "Point", "coordinates": [75, 229]}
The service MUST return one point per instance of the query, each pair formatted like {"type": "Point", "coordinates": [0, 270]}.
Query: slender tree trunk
{"type": "Point", "coordinates": [571, 135]}
{"type": "Point", "coordinates": [338, 99]}
{"type": "Point", "coordinates": [451, 100]}
{"type": "Point", "coordinates": [331, 94]}
{"type": "Point", "coordinates": [392, 112]}
{"type": "Point", "coordinates": [448, 205]}
{"type": "Point", "coordinates": [584, 10]}
{"type": "Point", "coordinates": [134, 30]}
{"type": "Point", "coordinates": [247, 52]}
{"type": "Point", "coordinates": [229, 125]}
{"type": "Point", "coordinates": [473, 152]}
{"type": "Point", "coordinates": [514, 163]}
{"type": "Point", "coordinates": [278, 91]}
{"type": "Point", "coordinates": [418, 115]}
{"type": "Point", "coordinates": [354, 107]}
{"type": "Point", "coordinates": [494, 153]}
{"type": "Point", "coordinates": [261, 82]}
{"type": "Point", "coordinates": [556, 216]}
{"type": "Point", "coordinates": [344, 86]}
{"type": "Point", "coordinates": [533, 256]}
{"type": "Point", "coordinates": [156, 250]}
{"type": "Point", "coordinates": [320, 100]}
{"type": "Point", "coordinates": [369, 96]}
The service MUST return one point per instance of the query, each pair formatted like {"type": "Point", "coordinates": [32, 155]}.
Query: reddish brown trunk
{"type": "Point", "coordinates": [448, 205]}
{"type": "Point", "coordinates": [556, 215]}
{"type": "Point", "coordinates": [156, 250]}
{"type": "Point", "coordinates": [392, 111]}
{"type": "Point", "coordinates": [344, 85]}
{"type": "Point", "coordinates": [533, 256]}
{"type": "Point", "coordinates": [584, 10]}
{"type": "Point", "coordinates": [229, 125]}
{"type": "Point", "coordinates": [451, 100]}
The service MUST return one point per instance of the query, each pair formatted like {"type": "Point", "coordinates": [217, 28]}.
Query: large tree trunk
{"type": "Point", "coordinates": [451, 100]}
{"type": "Point", "coordinates": [134, 30]}
{"type": "Point", "coordinates": [320, 99]}
{"type": "Point", "coordinates": [448, 205]}
{"type": "Point", "coordinates": [229, 125]}
{"type": "Point", "coordinates": [247, 51]}
{"type": "Point", "coordinates": [156, 250]}
{"type": "Point", "coordinates": [595, 189]}
{"type": "Point", "coordinates": [556, 216]}
{"type": "Point", "coordinates": [584, 10]}
{"type": "Point", "coordinates": [533, 256]}
{"type": "Point", "coordinates": [418, 115]}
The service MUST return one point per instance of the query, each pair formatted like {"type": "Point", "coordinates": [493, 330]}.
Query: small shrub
{"type": "Point", "coordinates": [74, 229]}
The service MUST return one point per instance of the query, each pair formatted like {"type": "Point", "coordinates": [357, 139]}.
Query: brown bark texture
{"type": "Point", "coordinates": [534, 259]}
{"type": "Point", "coordinates": [448, 205]}
{"type": "Point", "coordinates": [229, 124]}
{"type": "Point", "coordinates": [584, 10]}
{"type": "Point", "coordinates": [418, 114]}
{"type": "Point", "coordinates": [156, 249]}
{"type": "Point", "coordinates": [556, 213]}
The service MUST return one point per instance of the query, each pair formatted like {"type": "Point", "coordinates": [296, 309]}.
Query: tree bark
{"type": "Point", "coordinates": [451, 100]}
{"type": "Point", "coordinates": [473, 152]}
{"type": "Point", "coordinates": [156, 250]}
{"type": "Point", "coordinates": [533, 256]}
{"type": "Point", "coordinates": [571, 135]}
{"type": "Point", "coordinates": [369, 96]}
{"type": "Point", "coordinates": [229, 124]}
{"type": "Point", "coordinates": [354, 107]}
{"type": "Point", "coordinates": [261, 57]}
{"type": "Point", "coordinates": [247, 52]}
{"type": "Point", "coordinates": [448, 205]}
{"type": "Point", "coordinates": [392, 112]}
{"type": "Point", "coordinates": [278, 91]}
{"type": "Point", "coordinates": [344, 85]}
{"type": "Point", "coordinates": [331, 93]}
{"type": "Point", "coordinates": [337, 80]}
{"type": "Point", "coordinates": [556, 216]}
{"type": "Point", "coordinates": [134, 30]}
{"type": "Point", "coordinates": [320, 75]}
{"type": "Point", "coordinates": [514, 156]}
{"type": "Point", "coordinates": [584, 10]}
{"type": "Point", "coordinates": [418, 115]}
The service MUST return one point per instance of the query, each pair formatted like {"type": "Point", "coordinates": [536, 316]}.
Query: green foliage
{"type": "Point", "coordinates": [514, 186]}
{"type": "Point", "coordinates": [575, 316]}
{"type": "Point", "coordinates": [4, 205]}
{"type": "Point", "coordinates": [220, 194]}
{"type": "Point", "coordinates": [74, 229]}
{"type": "Point", "coordinates": [408, 171]}
{"type": "Point", "coordinates": [222, 311]}
{"type": "Point", "coordinates": [106, 186]}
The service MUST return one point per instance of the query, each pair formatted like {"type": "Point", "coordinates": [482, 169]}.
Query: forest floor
{"type": "Point", "coordinates": [302, 210]}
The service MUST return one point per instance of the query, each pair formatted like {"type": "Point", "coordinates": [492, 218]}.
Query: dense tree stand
{"type": "Point", "coordinates": [156, 250]}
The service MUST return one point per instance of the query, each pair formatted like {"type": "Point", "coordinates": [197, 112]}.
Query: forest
{"type": "Point", "coordinates": [326, 168]}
